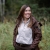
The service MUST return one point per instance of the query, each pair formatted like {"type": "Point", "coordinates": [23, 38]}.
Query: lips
{"type": "Point", "coordinates": [27, 14]}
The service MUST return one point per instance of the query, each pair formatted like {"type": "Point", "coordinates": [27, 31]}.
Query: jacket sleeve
{"type": "Point", "coordinates": [14, 36]}
{"type": "Point", "coordinates": [37, 35]}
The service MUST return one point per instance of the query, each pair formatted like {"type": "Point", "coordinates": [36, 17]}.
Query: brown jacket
{"type": "Point", "coordinates": [36, 35]}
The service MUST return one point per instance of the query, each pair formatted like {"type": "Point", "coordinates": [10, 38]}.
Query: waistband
{"type": "Point", "coordinates": [23, 45]}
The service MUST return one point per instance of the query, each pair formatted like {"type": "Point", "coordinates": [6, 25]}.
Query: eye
{"type": "Point", "coordinates": [27, 10]}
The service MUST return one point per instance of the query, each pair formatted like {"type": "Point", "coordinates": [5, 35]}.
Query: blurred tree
{"type": "Point", "coordinates": [44, 3]}
{"type": "Point", "coordinates": [12, 7]}
{"type": "Point", "coordinates": [2, 10]}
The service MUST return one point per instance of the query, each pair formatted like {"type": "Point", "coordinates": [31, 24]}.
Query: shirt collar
{"type": "Point", "coordinates": [27, 20]}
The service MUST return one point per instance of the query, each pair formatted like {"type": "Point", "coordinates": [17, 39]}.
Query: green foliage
{"type": "Point", "coordinates": [45, 43]}
{"type": "Point", "coordinates": [6, 36]}
{"type": "Point", "coordinates": [13, 7]}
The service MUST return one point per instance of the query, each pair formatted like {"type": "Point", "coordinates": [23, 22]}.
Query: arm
{"type": "Point", "coordinates": [14, 36]}
{"type": "Point", "coordinates": [37, 34]}
{"type": "Point", "coordinates": [14, 40]}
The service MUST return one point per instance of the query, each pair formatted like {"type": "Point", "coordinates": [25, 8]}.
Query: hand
{"type": "Point", "coordinates": [31, 47]}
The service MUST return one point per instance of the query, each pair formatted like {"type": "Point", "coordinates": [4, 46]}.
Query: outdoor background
{"type": "Point", "coordinates": [8, 13]}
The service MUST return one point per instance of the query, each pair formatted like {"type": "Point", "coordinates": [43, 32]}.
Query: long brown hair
{"type": "Point", "coordinates": [20, 16]}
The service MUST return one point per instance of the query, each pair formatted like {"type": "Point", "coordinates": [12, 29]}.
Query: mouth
{"type": "Point", "coordinates": [27, 14]}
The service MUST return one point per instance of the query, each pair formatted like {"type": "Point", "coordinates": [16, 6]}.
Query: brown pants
{"type": "Point", "coordinates": [22, 48]}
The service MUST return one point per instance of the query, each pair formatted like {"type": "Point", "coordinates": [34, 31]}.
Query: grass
{"type": "Point", "coordinates": [6, 36]}
{"type": "Point", "coordinates": [45, 43]}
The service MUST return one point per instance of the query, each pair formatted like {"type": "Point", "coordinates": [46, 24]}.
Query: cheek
{"type": "Point", "coordinates": [25, 13]}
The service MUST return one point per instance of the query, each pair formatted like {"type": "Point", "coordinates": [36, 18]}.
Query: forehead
{"type": "Point", "coordinates": [28, 8]}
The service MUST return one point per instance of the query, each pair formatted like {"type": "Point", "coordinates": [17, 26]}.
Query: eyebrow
{"type": "Point", "coordinates": [29, 10]}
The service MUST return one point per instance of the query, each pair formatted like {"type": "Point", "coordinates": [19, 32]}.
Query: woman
{"type": "Point", "coordinates": [27, 32]}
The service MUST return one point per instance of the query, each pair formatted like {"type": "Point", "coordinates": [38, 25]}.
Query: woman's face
{"type": "Point", "coordinates": [27, 12]}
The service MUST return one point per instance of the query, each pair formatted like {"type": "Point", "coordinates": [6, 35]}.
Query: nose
{"type": "Point", "coordinates": [28, 12]}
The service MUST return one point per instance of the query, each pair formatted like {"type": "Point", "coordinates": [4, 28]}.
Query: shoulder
{"type": "Point", "coordinates": [36, 22]}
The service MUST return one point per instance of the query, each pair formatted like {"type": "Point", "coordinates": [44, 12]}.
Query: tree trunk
{"type": "Point", "coordinates": [2, 5]}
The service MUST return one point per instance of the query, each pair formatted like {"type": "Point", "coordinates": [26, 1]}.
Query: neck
{"type": "Point", "coordinates": [25, 19]}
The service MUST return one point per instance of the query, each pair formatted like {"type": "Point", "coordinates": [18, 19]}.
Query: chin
{"type": "Point", "coordinates": [27, 17]}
